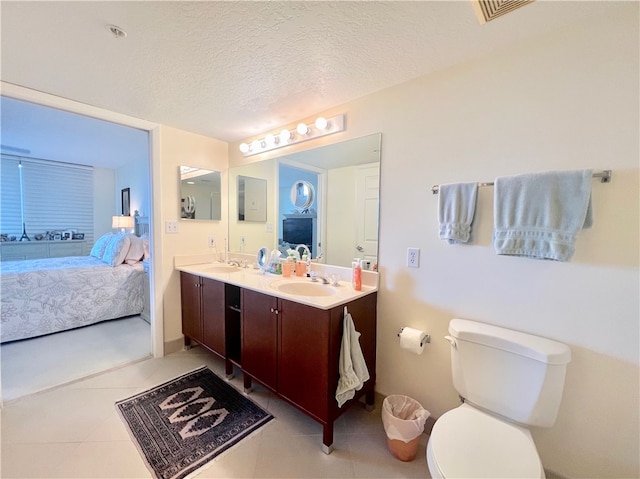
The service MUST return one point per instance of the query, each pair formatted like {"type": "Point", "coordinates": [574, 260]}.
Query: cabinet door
{"type": "Point", "coordinates": [303, 356]}
{"type": "Point", "coordinates": [213, 310]}
{"type": "Point", "coordinates": [260, 336]}
{"type": "Point", "coordinates": [190, 299]}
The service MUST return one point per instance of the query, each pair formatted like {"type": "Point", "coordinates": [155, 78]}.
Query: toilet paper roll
{"type": "Point", "coordinates": [413, 340]}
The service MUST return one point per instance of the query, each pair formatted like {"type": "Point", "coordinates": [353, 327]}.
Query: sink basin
{"type": "Point", "coordinates": [303, 289]}
{"type": "Point", "coordinates": [221, 268]}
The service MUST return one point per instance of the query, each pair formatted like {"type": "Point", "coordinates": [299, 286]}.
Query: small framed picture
{"type": "Point", "coordinates": [77, 236]}
{"type": "Point", "coordinates": [126, 208]}
{"type": "Point", "coordinates": [66, 235]}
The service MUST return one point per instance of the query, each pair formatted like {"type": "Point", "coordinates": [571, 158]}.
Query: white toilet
{"type": "Point", "coordinates": [508, 381]}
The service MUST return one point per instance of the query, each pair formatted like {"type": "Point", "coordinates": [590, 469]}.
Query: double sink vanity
{"type": "Point", "coordinates": [284, 333]}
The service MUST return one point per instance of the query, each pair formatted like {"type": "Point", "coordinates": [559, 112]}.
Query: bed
{"type": "Point", "coordinates": [44, 296]}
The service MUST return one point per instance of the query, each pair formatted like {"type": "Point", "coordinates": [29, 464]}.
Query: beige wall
{"type": "Point", "coordinates": [567, 101]}
{"type": "Point", "coordinates": [177, 148]}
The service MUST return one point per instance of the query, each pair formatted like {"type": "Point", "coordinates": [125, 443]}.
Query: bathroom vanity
{"type": "Point", "coordinates": [285, 334]}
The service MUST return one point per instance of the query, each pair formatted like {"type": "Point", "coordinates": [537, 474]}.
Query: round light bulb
{"type": "Point", "coordinates": [285, 135]}
{"type": "Point", "coordinates": [302, 128]}
{"type": "Point", "coordinates": [244, 148]}
{"type": "Point", "coordinates": [271, 140]}
{"type": "Point", "coordinates": [321, 123]}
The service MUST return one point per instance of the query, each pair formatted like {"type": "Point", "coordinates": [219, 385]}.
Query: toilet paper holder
{"type": "Point", "coordinates": [427, 338]}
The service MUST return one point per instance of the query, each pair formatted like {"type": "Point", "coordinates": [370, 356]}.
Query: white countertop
{"type": "Point", "coordinates": [261, 282]}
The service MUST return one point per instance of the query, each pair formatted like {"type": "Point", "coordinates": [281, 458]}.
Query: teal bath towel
{"type": "Point", "coordinates": [456, 209]}
{"type": "Point", "coordinates": [539, 215]}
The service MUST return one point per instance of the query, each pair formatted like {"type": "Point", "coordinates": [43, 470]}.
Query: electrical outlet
{"type": "Point", "coordinates": [212, 242]}
{"type": "Point", "coordinates": [171, 226]}
{"type": "Point", "coordinates": [413, 257]}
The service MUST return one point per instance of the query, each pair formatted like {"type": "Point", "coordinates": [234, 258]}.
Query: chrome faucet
{"type": "Point", "coordinates": [332, 279]}
{"type": "Point", "coordinates": [315, 277]}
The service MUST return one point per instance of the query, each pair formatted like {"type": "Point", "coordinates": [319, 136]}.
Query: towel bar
{"type": "Point", "coordinates": [604, 175]}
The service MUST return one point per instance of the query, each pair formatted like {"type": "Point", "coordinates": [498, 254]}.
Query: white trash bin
{"type": "Point", "coordinates": [403, 419]}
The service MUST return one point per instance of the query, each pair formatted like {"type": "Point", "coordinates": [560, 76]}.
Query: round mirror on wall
{"type": "Point", "coordinates": [263, 258]}
{"type": "Point", "coordinates": [302, 195]}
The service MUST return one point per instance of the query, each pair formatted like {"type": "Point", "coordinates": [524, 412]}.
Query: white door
{"type": "Point", "coordinates": [367, 199]}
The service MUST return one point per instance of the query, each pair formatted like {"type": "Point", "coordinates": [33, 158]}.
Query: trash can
{"type": "Point", "coordinates": [403, 419]}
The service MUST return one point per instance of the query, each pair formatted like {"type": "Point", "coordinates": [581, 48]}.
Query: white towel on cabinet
{"type": "Point", "coordinates": [353, 369]}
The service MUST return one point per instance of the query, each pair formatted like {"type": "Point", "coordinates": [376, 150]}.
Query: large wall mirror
{"type": "Point", "coordinates": [338, 187]}
{"type": "Point", "coordinates": [200, 194]}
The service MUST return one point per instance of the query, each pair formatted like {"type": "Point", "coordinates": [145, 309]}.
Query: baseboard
{"type": "Point", "coordinates": [174, 346]}
{"type": "Point", "coordinates": [553, 475]}
{"type": "Point", "coordinates": [428, 425]}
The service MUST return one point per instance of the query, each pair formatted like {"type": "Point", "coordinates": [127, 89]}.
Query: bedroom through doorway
{"type": "Point", "coordinates": [40, 363]}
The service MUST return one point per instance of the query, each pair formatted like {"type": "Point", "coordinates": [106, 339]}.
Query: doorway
{"type": "Point", "coordinates": [154, 337]}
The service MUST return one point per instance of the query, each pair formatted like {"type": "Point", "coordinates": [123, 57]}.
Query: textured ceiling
{"type": "Point", "coordinates": [232, 69]}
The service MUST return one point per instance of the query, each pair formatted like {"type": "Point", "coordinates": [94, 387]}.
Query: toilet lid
{"type": "Point", "coordinates": [466, 442]}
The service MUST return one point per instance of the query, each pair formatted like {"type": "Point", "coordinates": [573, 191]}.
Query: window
{"type": "Point", "coordinates": [53, 196]}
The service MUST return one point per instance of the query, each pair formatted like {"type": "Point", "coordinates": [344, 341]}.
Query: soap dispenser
{"type": "Point", "coordinates": [356, 270]}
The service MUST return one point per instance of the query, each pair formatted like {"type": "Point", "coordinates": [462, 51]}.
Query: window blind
{"type": "Point", "coordinates": [56, 197]}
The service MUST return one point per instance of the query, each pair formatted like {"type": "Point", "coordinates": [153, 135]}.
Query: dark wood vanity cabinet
{"type": "Point", "coordinates": [294, 350]}
{"type": "Point", "coordinates": [204, 316]}
{"type": "Point", "coordinates": [291, 348]}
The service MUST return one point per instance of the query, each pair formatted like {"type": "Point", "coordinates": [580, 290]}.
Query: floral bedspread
{"type": "Point", "coordinates": [44, 296]}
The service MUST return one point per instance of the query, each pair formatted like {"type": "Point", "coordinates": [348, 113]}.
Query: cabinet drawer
{"type": "Point", "coordinates": [65, 249]}
{"type": "Point", "coordinates": [21, 251]}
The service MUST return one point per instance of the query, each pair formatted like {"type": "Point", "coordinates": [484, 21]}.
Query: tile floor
{"type": "Point", "coordinates": [74, 431]}
{"type": "Point", "coordinates": [36, 364]}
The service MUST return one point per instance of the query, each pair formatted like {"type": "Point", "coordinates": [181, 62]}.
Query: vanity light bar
{"type": "Point", "coordinates": [303, 132]}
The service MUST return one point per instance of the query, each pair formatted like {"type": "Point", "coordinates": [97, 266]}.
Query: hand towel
{"type": "Point", "coordinates": [539, 215]}
{"type": "Point", "coordinates": [456, 209]}
{"type": "Point", "coordinates": [353, 369]}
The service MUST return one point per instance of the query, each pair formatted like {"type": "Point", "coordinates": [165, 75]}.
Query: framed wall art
{"type": "Point", "coordinates": [126, 209]}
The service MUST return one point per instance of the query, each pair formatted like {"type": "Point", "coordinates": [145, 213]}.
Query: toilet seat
{"type": "Point", "coordinates": [467, 442]}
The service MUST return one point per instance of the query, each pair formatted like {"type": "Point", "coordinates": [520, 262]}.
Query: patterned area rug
{"type": "Point", "coordinates": [182, 424]}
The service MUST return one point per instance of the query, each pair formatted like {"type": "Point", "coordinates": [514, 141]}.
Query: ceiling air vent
{"type": "Point", "coordinates": [489, 9]}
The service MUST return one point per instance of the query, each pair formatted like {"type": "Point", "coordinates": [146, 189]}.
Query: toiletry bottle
{"type": "Point", "coordinates": [307, 265]}
{"type": "Point", "coordinates": [287, 267]}
{"type": "Point", "coordinates": [292, 258]}
{"type": "Point", "coordinates": [301, 268]}
{"type": "Point", "coordinates": [357, 275]}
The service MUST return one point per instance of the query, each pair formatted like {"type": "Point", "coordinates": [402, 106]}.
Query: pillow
{"type": "Point", "coordinates": [136, 250]}
{"type": "Point", "coordinates": [100, 245]}
{"type": "Point", "coordinates": [116, 250]}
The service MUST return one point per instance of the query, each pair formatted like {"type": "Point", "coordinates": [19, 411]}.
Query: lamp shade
{"type": "Point", "coordinates": [122, 222]}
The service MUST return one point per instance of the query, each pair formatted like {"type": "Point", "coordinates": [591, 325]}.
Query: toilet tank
{"type": "Point", "coordinates": [515, 375]}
